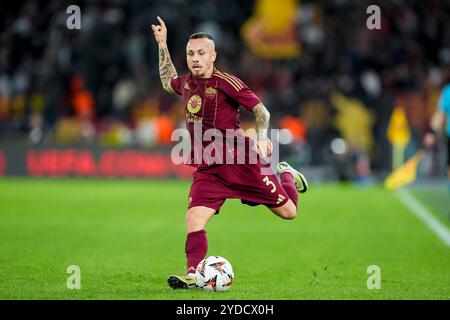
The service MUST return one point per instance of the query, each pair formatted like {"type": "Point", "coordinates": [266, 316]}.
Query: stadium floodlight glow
{"type": "Point", "coordinates": [285, 136]}
{"type": "Point", "coordinates": [338, 146]}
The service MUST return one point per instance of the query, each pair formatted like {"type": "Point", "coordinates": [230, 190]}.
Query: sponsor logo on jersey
{"type": "Point", "coordinates": [193, 118]}
{"type": "Point", "coordinates": [194, 104]}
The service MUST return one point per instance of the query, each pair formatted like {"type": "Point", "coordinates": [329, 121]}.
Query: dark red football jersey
{"type": "Point", "coordinates": [213, 102]}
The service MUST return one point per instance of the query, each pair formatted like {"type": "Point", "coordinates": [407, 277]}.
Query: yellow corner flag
{"type": "Point", "coordinates": [398, 131]}
{"type": "Point", "coordinates": [406, 174]}
{"type": "Point", "coordinates": [398, 134]}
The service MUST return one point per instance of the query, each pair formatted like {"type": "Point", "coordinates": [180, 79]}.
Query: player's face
{"type": "Point", "coordinates": [200, 56]}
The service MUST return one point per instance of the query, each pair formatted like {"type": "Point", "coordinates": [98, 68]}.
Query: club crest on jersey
{"type": "Point", "coordinates": [194, 104]}
{"type": "Point", "coordinates": [210, 92]}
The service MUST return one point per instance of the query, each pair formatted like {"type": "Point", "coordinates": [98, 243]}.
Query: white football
{"type": "Point", "coordinates": [214, 274]}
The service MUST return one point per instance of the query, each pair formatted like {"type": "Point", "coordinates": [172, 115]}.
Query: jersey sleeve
{"type": "Point", "coordinates": [444, 100]}
{"type": "Point", "coordinates": [239, 92]}
{"type": "Point", "coordinates": [176, 85]}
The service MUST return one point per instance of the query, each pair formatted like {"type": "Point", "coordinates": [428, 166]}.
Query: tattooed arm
{"type": "Point", "coordinates": [262, 117]}
{"type": "Point", "coordinates": [166, 68]}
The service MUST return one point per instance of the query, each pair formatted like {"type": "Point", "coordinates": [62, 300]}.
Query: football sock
{"type": "Point", "coordinates": [288, 184]}
{"type": "Point", "coordinates": [196, 249]}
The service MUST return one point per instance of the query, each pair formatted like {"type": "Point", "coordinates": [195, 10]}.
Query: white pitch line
{"type": "Point", "coordinates": [425, 215]}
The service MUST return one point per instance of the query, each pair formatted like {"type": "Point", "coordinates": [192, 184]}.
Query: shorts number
{"type": "Point", "coordinates": [270, 183]}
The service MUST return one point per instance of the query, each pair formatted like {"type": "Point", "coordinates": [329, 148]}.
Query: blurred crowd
{"type": "Point", "coordinates": [101, 84]}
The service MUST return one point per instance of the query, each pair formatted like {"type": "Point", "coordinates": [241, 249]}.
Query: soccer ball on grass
{"type": "Point", "coordinates": [214, 273]}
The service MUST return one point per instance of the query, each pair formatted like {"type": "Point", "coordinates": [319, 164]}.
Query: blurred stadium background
{"type": "Point", "coordinates": [89, 103]}
{"type": "Point", "coordinates": [327, 77]}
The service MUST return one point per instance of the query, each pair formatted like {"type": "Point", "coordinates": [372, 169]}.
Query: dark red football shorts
{"type": "Point", "coordinates": [213, 185]}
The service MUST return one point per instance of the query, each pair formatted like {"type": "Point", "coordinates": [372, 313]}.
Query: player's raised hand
{"type": "Point", "coordinates": [160, 31]}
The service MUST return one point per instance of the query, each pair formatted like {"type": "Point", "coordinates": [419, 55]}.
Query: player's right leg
{"type": "Point", "coordinates": [196, 245]}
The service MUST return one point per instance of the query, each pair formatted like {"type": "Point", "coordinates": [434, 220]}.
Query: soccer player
{"type": "Point", "coordinates": [212, 98]}
{"type": "Point", "coordinates": [438, 119]}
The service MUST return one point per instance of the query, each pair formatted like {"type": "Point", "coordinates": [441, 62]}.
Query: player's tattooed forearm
{"type": "Point", "coordinates": [262, 117]}
{"type": "Point", "coordinates": [166, 68]}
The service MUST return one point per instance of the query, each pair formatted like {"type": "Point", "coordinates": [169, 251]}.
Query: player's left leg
{"type": "Point", "coordinates": [292, 182]}
{"type": "Point", "coordinates": [257, 184]}
{"type": "Point", "coordinates": [287, 211]}
{"type": "Point", "coordinates": [298, 180]}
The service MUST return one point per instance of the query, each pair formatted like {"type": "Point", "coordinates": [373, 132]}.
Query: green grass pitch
{"type": "Point", "coordinates": [128, 236]}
